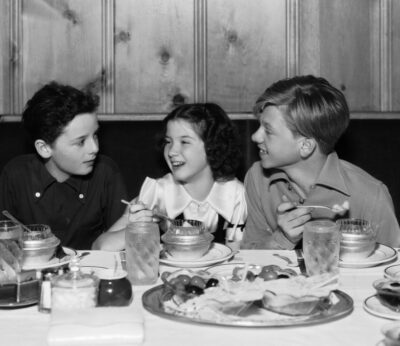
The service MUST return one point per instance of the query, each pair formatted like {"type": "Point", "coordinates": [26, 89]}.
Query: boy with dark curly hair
{"type": "Point", "coordinates": [65, 184]}
{"type": "Point", "coordinates": [301, 119]}
{"type": "Point", "coordinates": [201, 150]}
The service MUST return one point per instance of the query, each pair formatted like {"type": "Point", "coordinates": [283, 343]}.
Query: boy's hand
{"type": "Point", "coordinates": [291, 220]}
{"type": "Point", "coordinates": [139, 212]}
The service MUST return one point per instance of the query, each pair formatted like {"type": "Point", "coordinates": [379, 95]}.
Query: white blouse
{"type": "Point", "coordinates": [226, 198]}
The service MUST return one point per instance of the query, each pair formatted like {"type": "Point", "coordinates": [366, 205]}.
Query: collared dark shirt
{"type": "Point", "coordinates": [337, 182]}
{"type": "Point", "coordinates": [77, 210]}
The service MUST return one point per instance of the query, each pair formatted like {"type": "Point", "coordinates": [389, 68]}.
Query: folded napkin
{"type": "Point", "coordinates": [96, 326]}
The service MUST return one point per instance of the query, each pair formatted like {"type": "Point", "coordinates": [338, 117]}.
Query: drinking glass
{"type": "Point", "coordinates": [11, 251]}
{"type": "Point", "coordinates": [321, 244]}
{"type": "Point", "coordinates": [142, 246]}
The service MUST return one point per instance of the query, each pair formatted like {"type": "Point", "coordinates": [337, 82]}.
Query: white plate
{"type": "Point", "coordinates": [218, 253]}
{"type": "Point", "coordinates": [392, 272]}
{"type": "Point", "coordinates": [54, 262]}
{"type": "Point", "coordinates": [373, 306]}
{"type": "Point", "coordinates": [382, 254]}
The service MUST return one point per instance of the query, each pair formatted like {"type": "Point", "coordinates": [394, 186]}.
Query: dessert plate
{"type": "Point", "coordinates": [217, 253]}
{"type": "Point", "coordinates": [254, 317]}
{"type": "Point", "coordinates": [392, 272]}
{"type": "Point", "coordinates": [373, 306]}
{"type": "Point", "coordinates": [382, 254]}
{"type": "Point", "coordinates": [54, 262]}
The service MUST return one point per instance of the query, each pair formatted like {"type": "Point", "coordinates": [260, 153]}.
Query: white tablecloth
{"type": "Point", "coordinates": [28, 327]}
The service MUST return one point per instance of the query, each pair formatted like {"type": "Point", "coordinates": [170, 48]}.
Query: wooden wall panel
{"type": "Point", "coordinates": [395, 55]}
{"type": "Point", "coordinates": [154, 55]}
{"type": "Point", "coordinates": [337, 42]}
{"type": "Point", "coordinates": [61, 41]}
{"type": "Point", "coordinates": [246, 49]}
{"type": "Point", "coordinates": [5, 57]}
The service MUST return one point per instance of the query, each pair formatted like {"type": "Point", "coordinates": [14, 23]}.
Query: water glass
{"type": "Point", "coordinates": [142, 246]}
{"type": "Point", "coordinates": [11, 251]}
{"type": "Point", "coordinates": [321, 244]}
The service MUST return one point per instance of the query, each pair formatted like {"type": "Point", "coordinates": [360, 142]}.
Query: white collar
{"type": "Point", "coordinates": [221, 197]}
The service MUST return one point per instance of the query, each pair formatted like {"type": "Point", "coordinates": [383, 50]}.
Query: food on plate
{"type": "Point", "coordinates": [388, 293]}
{"type": "Point", "coordinates": [218, 298]}
{"type": "Point", "coordinates": [300, 295]}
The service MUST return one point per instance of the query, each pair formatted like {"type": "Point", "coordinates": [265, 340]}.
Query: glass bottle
{"type": "Point", "coordinates": [74, 290]}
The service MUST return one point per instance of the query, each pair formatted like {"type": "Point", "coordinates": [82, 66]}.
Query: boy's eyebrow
{"type": "Point", "coordinates": [265, 124]}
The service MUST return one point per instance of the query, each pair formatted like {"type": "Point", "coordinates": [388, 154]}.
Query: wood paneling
{"type": "Point", "coordinates": [154, 55]}
{"type": "Point", "coordinates": [246, 50]}
{"type": "Point", "coordinates": [143, 57]}
{"type": "Point", "coordinates": [5, 61]}
{"type": "Point", "coordinates": [61, 41]}
{"type": "Point", "coordinates": [337, 42]}
{"type": "Point", "coordinates": [395, 54]}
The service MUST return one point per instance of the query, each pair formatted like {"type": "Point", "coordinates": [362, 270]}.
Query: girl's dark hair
{"type": "Point", "coordinates": [218, 132]}
{"type": "Point", "coordinates": [51, 109]}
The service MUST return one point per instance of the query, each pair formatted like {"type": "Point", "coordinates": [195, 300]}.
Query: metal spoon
{"type": "Point", "coordinates": [290, 263]}
{"type": "Point", "coordinates": [12, 218]}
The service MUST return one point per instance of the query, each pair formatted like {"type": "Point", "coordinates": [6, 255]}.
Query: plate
{"type": "Point", "coordinates": [257, 316]}
{"type": "Point", "coordinates": [373, 306]}
{"type": "Point", "coordinates": [392, 272]}
{"type": "Point", "coordinates": [29, 293]}
{"type": "Point", "coordinates": [21, 304]}
{"type": "Point", "coordinates": [382, 254]}
{"type": "Point", "coordinates": [217, 253]}
{"type": "Point", "coordinates": [54, 262]}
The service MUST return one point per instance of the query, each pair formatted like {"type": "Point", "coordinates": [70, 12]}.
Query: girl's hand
{"type": "Point", "coordinates": [291, 220]}
{"type": "Point", "coordinates": [139, 212]}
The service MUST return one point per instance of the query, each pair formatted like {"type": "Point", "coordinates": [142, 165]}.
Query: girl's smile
{"type": "Point", "coordinates": [185, 154]}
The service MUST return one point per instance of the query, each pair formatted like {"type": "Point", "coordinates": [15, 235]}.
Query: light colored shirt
{"type": "Point", "coordinates": [226, 198]}
{"type": "Point", "coordinates": [338, 181]}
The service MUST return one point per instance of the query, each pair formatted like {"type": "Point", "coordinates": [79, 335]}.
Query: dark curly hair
{"type": "Point", "coordinates": [51, 109]}
{"type": "Point", "coordinates": [218, 132]}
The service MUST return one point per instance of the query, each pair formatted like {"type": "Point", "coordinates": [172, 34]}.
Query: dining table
{"type": "Point", "coordinates": [27, 326]}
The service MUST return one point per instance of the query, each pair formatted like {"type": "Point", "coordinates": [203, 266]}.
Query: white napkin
{"type": "Point", "coordinates": [96, 326]}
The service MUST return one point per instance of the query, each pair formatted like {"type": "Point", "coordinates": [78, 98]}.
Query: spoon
{"type": "Point", "coordinates": [156, 212]}
{"type": "Point", "coordinates": [337, 209]}
{"type": "Point", "coordinates": [12, 218]}
{"type": "Point", "coordinates": [290, 263]}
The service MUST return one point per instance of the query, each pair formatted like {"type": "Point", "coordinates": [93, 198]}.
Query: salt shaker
{"type": "Point", "coordinates": [74, 290]}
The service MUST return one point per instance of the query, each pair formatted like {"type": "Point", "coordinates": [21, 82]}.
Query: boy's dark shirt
{"type": "Point", "coordinates": [77, 210]}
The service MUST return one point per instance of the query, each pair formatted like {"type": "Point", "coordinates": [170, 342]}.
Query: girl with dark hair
{"type": "Point", "coordinates": [202, 152]}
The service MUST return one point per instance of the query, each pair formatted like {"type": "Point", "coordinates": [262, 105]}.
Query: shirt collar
{"type": "Point", "coordinates": [219, 194]}
{"type": "Point", "coordinates": [331, 175]}
{"type": "Point", "coordinates": [42, 179]}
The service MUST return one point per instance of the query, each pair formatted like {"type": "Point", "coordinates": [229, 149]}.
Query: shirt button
{"type": "Point", "coordinates": [37, 194]}
{"type": "Point", "coordinates": [81, 195]}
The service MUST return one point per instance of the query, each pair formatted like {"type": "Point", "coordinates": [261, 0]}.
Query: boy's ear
{"type": "Point", "coordinates": [307, 146]}
{"type": "Point", "coordinates": [43, 149]}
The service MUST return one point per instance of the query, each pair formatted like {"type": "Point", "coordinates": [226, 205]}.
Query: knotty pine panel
{"type": "Point", "coordinates": [154, 55]}
{"type": "Point", "coordinates": [6, 58]}
{"type": "Point", "coordinates": [338, 40]}
{"type": "Point", "coordinates": [246, 50]}
{"type": "Point", "coordinates": [61, 41]}
{"type": "Point", "coordinates": [395, 55]}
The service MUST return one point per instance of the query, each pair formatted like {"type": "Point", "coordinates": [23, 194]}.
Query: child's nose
{"type": "Point", "coordinates": [94, 146]}
{"type": "Point", "coordinates": [255, 137]}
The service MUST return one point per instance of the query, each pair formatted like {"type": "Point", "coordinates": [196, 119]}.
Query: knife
{"type": "Point", "coordinates": [300, 261]}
